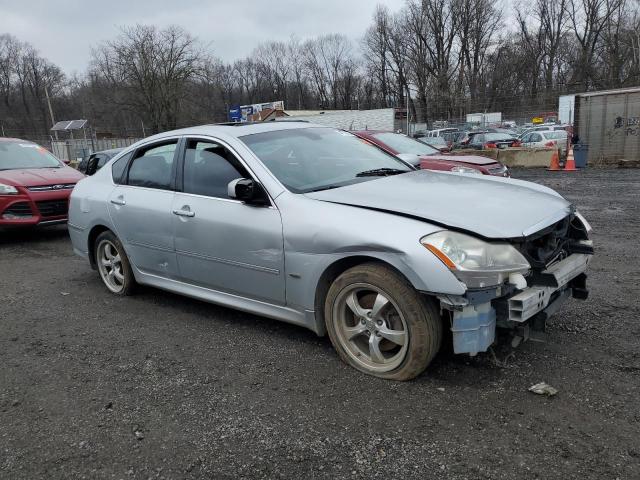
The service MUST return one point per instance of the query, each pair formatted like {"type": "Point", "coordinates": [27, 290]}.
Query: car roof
{"type": "Point", "coordinates": [111, 151]}
{"type": "Point", "coordinates": [238, 129]}
{"type": "Point", "coordinates": [10, 139]}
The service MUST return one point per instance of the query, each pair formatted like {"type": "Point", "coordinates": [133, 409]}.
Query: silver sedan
{"type": "Point", "coordinates": [313, 226]}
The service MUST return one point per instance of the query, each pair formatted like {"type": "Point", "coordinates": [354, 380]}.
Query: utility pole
{"type": "Point", "coordinates": [408, 109]}
{"type": "Point", "coordinates": [53, 120]}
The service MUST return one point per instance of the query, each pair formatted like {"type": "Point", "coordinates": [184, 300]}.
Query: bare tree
{"type": "Point", "coordinates": [10, 48]}
{"type": "Point", "coordinates": [589, 19]}
{"type": "Point", "coordinates": [479, 21]}
{"type": "Point", "coordinates": [328, 60]}
{"type": "Point", "coordinates": [150, 69]}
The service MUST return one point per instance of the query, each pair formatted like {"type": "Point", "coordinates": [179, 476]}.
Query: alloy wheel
{"type": "Point", "coordinates": [370, 327]}
{"type": "Point", "coordinates": [110, 266]}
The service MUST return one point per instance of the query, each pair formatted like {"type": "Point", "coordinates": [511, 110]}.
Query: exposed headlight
{"type": "Point", "coordinates": [459, 169]}
{"type": "Point", "coordinates": [7, 189]}
{"type": "Point", "coordinates": [587, 225]}
{"type": "Point", "coordinates": [473, 261]}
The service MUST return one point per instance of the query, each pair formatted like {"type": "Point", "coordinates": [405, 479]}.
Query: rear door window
{"type": "Point", "coordinates": [153, 166]}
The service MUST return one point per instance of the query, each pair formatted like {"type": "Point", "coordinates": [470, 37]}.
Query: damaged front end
{"type": "Point", "coordinates": [557, 258]}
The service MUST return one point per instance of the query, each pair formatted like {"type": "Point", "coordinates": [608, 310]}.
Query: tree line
{"type": "Point", "coordinates": [444, 58]}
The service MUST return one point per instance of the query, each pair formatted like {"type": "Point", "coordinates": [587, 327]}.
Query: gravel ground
{"type": "Point", "coordinates": [160, 386]}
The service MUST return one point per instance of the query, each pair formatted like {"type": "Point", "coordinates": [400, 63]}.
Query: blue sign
{"type": "Point", "coordinates": [235, 114]}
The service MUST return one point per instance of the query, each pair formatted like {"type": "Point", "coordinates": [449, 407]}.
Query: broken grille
{"type": "Point", "coordinates": [547, 246]}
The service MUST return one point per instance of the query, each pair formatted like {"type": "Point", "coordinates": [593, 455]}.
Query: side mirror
{"type": "Point", "coordinates": [92, 165]}
{"type": "Point", "coordinates": [410, 158]}
{"type": "Point", "coordinates": [248, 191]}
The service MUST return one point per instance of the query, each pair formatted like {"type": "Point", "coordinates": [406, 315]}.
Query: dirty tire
{"type": "Point", "coordinates": [419, 317]}
{"type": "Point", "coordinates": [124, 283]}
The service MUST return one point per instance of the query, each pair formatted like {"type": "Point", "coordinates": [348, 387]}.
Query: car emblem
{"type": "Point", "coordinates": [58, 187]}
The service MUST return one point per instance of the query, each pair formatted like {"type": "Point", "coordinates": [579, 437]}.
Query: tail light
{"type": "Point", "coordinates": [516, 144]}
{"type": "Point", "coordinates": [550, 143]}
{"type": "Point", "coordinates": [490, 145]}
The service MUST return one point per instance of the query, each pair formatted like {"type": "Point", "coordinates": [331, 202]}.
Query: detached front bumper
{"type": "Point", "coordinates": [476, 315]}
{"type": "Point", "coordinates": [533, 300]}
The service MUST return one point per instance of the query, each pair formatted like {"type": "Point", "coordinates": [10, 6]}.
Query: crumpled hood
{"type": "Point", "coordinates": [491, 207]}
{"type": "Point", "coordinates": [33, 177]}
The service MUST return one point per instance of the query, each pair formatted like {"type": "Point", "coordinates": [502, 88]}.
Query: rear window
{"type": "Point", "coordinates": [555, 135]}
{"type": "Point", "coordinates": [435, 141]}
{"type": "Point", "coordinates": [403, 144]}
{"type": "Point", "coordinates": [497, 137]}
{"type": "Point", "coordinates": [19, 155]}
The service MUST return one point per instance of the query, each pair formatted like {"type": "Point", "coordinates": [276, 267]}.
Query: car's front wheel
{"type": "Point", "coordinates": [380, 324]}
{"type": "Point", "coordinates": [113, 264]}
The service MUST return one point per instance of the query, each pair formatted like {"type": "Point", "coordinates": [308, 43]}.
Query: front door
{"type": "Point", "coordinates": [222, 243]}
{"type": "Point", "coordinates": [140, 209]}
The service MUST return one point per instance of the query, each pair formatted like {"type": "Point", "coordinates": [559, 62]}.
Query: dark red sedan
{"type": "Point", "coordinates": [430, 158]}
{"type": "Point", "coordinates": [34, 185]}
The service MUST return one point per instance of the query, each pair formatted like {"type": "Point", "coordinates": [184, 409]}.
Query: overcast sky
{"type": "Point", "coordinates": [64, 30]}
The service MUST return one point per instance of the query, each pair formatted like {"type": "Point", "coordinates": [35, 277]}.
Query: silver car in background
{"type": "Point", "coordinates": [546, 139]}
{"type": "Point", "coordinates": [312, 226]}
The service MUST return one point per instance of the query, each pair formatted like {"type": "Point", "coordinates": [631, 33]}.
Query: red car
{"type": "Point", "coordinates": [34, 185]}
{"type": "Point", "coordinates": [430, 158]}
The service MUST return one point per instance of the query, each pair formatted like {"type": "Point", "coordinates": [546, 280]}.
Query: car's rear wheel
{"type": "Point", "coordinates": [113, 264]}
{"type": "Point", "coordinates": [380, 324]}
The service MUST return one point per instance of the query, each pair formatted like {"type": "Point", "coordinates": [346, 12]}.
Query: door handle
{"type": "Point", "coordinates": [184, 213]}
{"type": "Point", "coordinates": [118, 201]}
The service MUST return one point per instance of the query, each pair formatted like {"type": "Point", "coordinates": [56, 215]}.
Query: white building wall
{"type": "Point", "coordinates": [378, 119]}
{"type": "Point", "coordinates": [566, 108]}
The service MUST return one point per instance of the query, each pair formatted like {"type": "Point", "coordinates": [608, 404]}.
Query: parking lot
{"type": "Point", "coordinates": [160, 386]}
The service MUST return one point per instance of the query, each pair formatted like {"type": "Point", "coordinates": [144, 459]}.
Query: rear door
{"type": "Point", "coordinates": [222, 243]}
{"type": "Point", "coordinates": [140, 208]}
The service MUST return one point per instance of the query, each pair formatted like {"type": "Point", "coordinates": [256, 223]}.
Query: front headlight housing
{"type": "Point", "coordinates": [585, 223]}
{"type": "Point", "coordinates": [459, 169]}
{"type": "Point", "coordinates": [474, 262]}
{"type": "Point", "coordinates": [8, 189]}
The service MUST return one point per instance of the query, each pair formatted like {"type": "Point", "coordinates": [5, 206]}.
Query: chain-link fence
{"type": "Point", "coordinates": [74, 149]}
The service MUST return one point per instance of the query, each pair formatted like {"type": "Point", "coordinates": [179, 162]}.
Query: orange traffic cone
{"type": "Point", "coordinates": [555, 162]}
{"type": "Point", "coordinates": [570, 164]}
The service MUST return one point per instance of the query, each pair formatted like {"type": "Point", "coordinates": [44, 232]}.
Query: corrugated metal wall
{"type": "Point", "coordinates": [610, 124]}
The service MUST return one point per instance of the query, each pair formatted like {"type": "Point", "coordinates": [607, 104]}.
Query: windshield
{"type": "Point", "coordinates": [317, 158]}
{"type": "Point", "coordinates": [18, 155]}
{"type": "Point", "coordinates": [404, 144]}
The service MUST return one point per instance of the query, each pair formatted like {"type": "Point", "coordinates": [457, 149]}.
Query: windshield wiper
{"type": "Point", "coordinates": [380, 172]}
{"type": "Point", "coordinates": [327, 187]}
